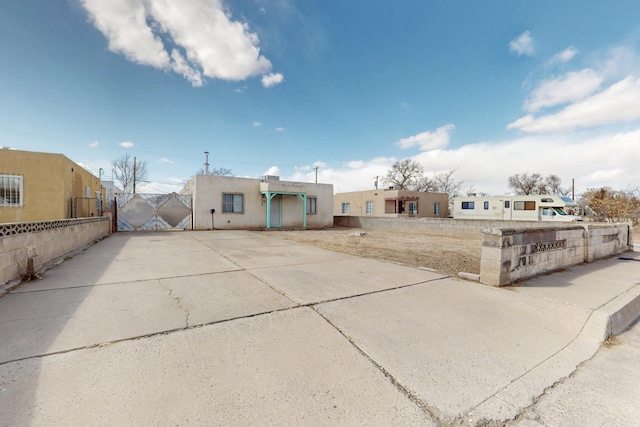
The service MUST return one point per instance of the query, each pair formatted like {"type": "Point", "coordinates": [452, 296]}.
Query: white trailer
{"type": "Point", "coordinates": [516, 208]}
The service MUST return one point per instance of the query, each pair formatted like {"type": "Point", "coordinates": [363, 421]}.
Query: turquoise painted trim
{"type": "Point", "coordinates": [271, 194]}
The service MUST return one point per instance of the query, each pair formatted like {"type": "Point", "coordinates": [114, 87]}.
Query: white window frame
{"type": "Point", "coordinates": [13, 183]}
{"type": "Point", "coordinates": [436, 208]}
{"type": "Point", "coordinates": [413, 208]}
{"type": "Point", "coordinates": [233, 203]}
{"type": "Point", "coordinates": [346, 208]}
{"type": "Point", "coordinates": [369, 207]}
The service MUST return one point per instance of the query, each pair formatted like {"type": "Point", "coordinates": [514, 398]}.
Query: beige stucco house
{"type": "Point", "coordinates": [45, 186]}
{"type": "Point", "coordinates": [250, 203]}
{"type": "Point", "coordinates": [391, 203]}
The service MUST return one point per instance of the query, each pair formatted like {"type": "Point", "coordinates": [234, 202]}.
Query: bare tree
{"type": "Point", "coordinates": [128, 171]}
{"type": "Point", "coordinates": [426, 184]}
{"type": "Point", "coordinates": [553, 185]}
{"type": "Point", "coordinates": [405, 174]}
{"type": "Point", "coordinates": [217, 172]}
{"type": "Point", "coordinates": [534, 183]}
{"type": "Point", "coordinates": [526, 183]}
{"type": "Point", "coordinates": [444, 183]}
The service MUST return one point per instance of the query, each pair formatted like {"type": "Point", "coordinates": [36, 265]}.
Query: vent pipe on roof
{"type": "Point", "coordinates": [206, 163]}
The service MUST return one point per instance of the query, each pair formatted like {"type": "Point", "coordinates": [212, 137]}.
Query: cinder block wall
{"type": "Point", "coordinates": [511, 254]}
{"type": "Point", "coordinates": [440, 226]}
{"type": "Point", "coordinates": [43, 242]}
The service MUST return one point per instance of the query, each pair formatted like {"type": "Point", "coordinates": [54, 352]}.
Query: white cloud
{"type": "Point", "coordinates": [428, 140]}
{"type": "Point", "coordinates": [94, 144]}
{"type": "Point", "coordinates": [280, 129]}
{"type": "Point", "coordinates": [273, 170]}
{"type": "Point", "coordinates": [615, 104]}
{"type": "Point", "coordinates": [193, 38]}
{"type": "Point", "coordinates": [272, 79]}
{"type": "Point", "coordinates": [351, 176]}
{"type": "Point", "coordinates": [605, 160]}
{"type": "Point", "coordinates": [522, 45]}
{"type": "Point", "coordinates": [570, 87]}
{"type": "Point", "coordinates": [256, 124]}
{"type": "Point", "coordinates": [165, 160]}
{"type": "Point", "coordinates": [126, 144]}
{"type": "Point", "coordinates": [564, 56]}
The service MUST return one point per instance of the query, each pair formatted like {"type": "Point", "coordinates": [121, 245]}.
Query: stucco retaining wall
{"type": "Point", "coordinates": [512, 254]}
{"type": "Point", "coordinates": [43, 242]}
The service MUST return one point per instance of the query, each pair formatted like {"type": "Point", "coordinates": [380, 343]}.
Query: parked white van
{"type": "Point", "coordinates": [516, 208]}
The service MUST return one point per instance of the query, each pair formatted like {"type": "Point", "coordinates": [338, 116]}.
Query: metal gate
{"type": "Point", "coordinates": [153, 211]}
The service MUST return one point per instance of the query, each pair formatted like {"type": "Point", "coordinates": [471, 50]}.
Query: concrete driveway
{"type": "Point", "coordinates": [240, 328]}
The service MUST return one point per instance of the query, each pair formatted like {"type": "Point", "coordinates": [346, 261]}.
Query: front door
{"type": "Point", "coordinates": [276, 211]}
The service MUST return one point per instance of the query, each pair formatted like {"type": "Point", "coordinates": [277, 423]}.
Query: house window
{"type": "Point", "coordinates": [11, 190]}
{"type": "Point", "coordinates": [232, 203]}
{"type": "Point", "coordinates": [524, 205]}
{"type": "Point", "coordinates": [436, 208]}
{"type": "Point", "coordinates": [413, 208]}
{"type": "Point", "coordinates": [468, 205]}
{"type": "Point", "coordinates": [369, 207]}
{"type": "Point", "coordinates": [311, 205]}
{"type": "Point", "coordinates": [345, 208]}
{"type": "Point", "coordinates": [486, 206]}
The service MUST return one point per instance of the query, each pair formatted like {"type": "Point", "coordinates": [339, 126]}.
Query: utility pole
{"type": "Point", "coordinates": [316, 174]}
{"type": "Point", "coordinates": [573, 189]}
{"type": "Point", "coordinates": [206, 163]}
{"type": "Point", "coordinates": [135, 161]}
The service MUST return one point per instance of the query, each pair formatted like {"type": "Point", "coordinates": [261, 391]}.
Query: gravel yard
{"type": "Point", "coordinates": [447, 254]}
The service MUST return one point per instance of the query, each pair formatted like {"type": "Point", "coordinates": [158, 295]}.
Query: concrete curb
{"type": "Point", "coordinates": [622, 311]}
{"type": "Point", "coordinates": [611, 319]}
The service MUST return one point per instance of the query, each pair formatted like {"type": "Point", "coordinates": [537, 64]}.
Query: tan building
{"type": "Point", "coordinates": [391, 203]}
{"type": "Point", "coordinates": [44, 186]}
{"type": "Point", "coordinates": [249, 203]}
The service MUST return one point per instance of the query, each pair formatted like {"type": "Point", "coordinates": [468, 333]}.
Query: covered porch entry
{"type": "Point", "coordinates": [401, 205]}
{"type": "Point", "coordinates": [276, 207]}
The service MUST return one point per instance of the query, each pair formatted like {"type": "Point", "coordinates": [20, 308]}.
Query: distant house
{"type": "Point", "coordinates": [391, 203]}
{"type": "Point", "coordinates": [250, 203]}
{"type": "Point", "coordinates": [45, 186]}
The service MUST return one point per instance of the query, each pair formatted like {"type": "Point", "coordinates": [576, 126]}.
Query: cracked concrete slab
{"type": "Point", "coordinates": [282, 255]}
{"type": "Point", "coordinates": [190, 327]}
{"type": "Point", "coordinates": [85, 316]}
{"type": "Point", "coordinates": [217, 297]}
{"type": "Point", "coordinates": [266, 370]}
{"type": "Point", "coordinates": [332, 279]}
{"type": "Point", "coordinates": [453, 343]}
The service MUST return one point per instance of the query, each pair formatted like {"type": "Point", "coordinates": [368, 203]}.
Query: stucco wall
{"type": "Point", "coordinates": [50, 181]}
{"type": "Point", "coordinates": [357, 203]}
{"type": "Point", "coordinates": [207, 194]}
{"type": "Point", "coordinates": [44, 242]}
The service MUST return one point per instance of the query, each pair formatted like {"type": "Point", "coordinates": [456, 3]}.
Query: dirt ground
{"type": "Point", "coordinates": [446, 254]}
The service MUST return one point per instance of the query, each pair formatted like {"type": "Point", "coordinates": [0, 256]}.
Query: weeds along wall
{"type": "Point", "coordinates": [26, 247]}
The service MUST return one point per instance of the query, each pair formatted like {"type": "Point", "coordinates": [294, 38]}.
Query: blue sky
{"type": "Point", "coordinates": [280, 87]}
